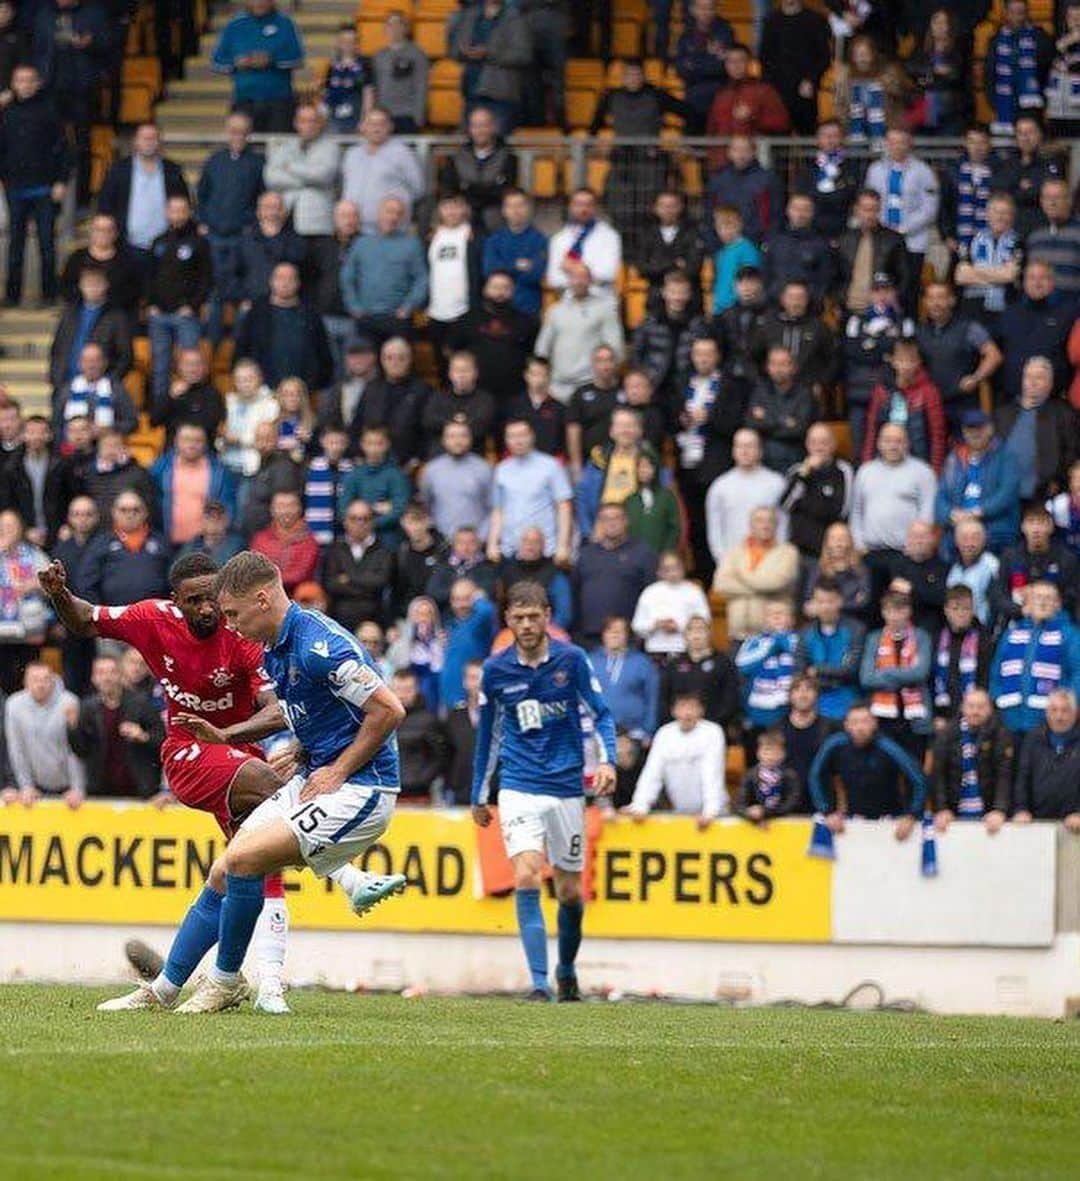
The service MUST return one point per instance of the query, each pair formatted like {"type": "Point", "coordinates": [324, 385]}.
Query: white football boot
{"type": "Point", "coordinates": [143, 997]}
{"type": "Point", "coordinates": [211, 997]}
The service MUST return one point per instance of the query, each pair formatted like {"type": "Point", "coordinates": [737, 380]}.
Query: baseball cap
{"type": "Point", "coordinates": [362, 344]}
{"type": "Point", "coordinates": [882, 279]}
{"type": "Point", "coordinates": [975, 418]}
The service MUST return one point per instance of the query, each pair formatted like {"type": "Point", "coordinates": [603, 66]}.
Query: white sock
{"type": "Point", "coordinates": [271, 935]}
{"type": "Point", "coordinates": [164, 989]}
{"type": "Point", "coordinates": [348, 877]}
{"type": "Point", "coordinates": [225, 979]}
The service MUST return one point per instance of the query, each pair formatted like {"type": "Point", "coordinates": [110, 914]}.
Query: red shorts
{"type": "Point", "coordinates": [200, 774]}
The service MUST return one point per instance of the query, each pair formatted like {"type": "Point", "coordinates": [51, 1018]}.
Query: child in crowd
{"type": "Point", "coordinates": [830, 649]}
{"type": "Point", "coordinates": [349, 92]}
{"type": "Point", "coordinates": [735, 251]}
{"type": "Point", "coordinates": [911, 400]}
{"type": "Point", "coordinates": [248, 403]}
{"type": "Point", "coordinates": [962, 657]}
{"type": "Point", "coordinates": [769, 788]}
{"type": "Point", "coordinates": [296, 420]}
{"type": "Point", "coordinates": [896, 671]}
{"type": "Point", "coordinates": [766, 662]}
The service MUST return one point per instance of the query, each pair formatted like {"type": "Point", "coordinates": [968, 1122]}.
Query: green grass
{"type": "Point", "coordinates": [382, 1087]}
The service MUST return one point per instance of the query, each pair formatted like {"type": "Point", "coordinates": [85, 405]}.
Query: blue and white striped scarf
{"type": "Point", "coordinates": [1016, 74]}
{"type": "Point", "coordinates": [972, 193]}
{"type": "Point", "coordinates": [1044, 667]}
{"type": "Point", "coordinates": [967, 666]}
{"type": "Point", "coordinates": [970, 803]}
{"type": "Point", "coordinates": [894, 198]}
{"type": "Point", "coordinates": [321, 496]}
{"type": "Point", "coordinates": [987, 251]}
{"type": "Point", "coordinates": [91, 400]}
{"type": "Point", "coordinates": [866, 111]}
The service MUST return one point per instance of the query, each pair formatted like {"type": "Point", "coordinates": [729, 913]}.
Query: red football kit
{"type": "Point", "coordinates": [217, 679]}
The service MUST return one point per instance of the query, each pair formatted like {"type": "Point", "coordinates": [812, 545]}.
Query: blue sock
{"type": "Point", "coordinates": [533, 934]}
{"type": "Point", "coordinates": [196, 935]}
{"type": "Point", "coordinates": [239, 913]}
{"type": "Point", "coordinates": [570, 915]}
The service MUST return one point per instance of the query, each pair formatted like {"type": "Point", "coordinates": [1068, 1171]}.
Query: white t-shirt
{"type": "Point", "coordinates": [448, 266]}
{"type": "Point", "coordinates": [661, 600]}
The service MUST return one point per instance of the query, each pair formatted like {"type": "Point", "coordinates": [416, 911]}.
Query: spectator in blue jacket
{"type": "Point", "coordinates": [1038, 653]}
{"type": "Point", "coordinates": [261, 48]}
{"type": "Point", "coordinates": [470, 629]}
{"type": "Point", "coordinates": [384, 276]}
{"type": "Point", "coordinates": [188, 476]}
{"type": "Point", "coordinates": [830, 649]}
{"type": "Point", "coordinates": [863, 768]}
{"type": "Point", "coordinates": [628, 680]}
{"type": "Point", "coordinates": [979, 480]}
{"type": "Point", "coordinates": [230, 184]}
{"type": "Point", "coordinates": [766, 664]}
{"type": "Point", "coordinates": [519, 248]}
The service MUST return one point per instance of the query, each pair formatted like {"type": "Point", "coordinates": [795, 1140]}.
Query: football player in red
{"type": "Point", "coordinates": [211, 673]}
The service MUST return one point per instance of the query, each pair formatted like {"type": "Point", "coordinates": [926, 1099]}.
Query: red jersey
{"type": "Point", "coordinates": [217, 678]}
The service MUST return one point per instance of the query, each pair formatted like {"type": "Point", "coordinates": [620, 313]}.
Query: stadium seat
{"type": "Point", "coordinates": [626, 38]}
{"type": "Point", "coordinates": [446, 107]}
{"type": "Point", "coordinates": [371, 32]}
{"type": "Point", "coordinates": [430, 36]}
{"type": "Point", "coordinates": [135, 384]}
{"type": "Point", "coordinates": [581, 107]}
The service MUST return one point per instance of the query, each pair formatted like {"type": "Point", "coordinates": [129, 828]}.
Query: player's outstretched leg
{"type": "Point", "coordinates": [528, 871]}
{"type": "Point", "coordinates": [571, 912]}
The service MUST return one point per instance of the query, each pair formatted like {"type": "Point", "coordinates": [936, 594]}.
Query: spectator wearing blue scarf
{"type": "Point", "coordinates": [1016, 67]}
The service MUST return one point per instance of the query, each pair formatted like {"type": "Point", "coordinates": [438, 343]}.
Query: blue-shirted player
{"type": "Point", "coordinates": [335, 703]}
{"type": "Point", "coordinates": [531, 699]}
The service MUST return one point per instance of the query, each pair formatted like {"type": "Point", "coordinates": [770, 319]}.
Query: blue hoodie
{"type": "Point", "coordinates": [995, 491]}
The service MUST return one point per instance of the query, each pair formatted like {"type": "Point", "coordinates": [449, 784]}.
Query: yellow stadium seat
{"type": "Point", "coordinates": [634, 308]}
{"type": "Point", "coordinates": [585, 71]}
{"type": "Point", "coordinates": [445, 72]}
{"type": "Point", "coordinates": [597, 174]}
{"type": "Point", "coordinates": [135, 384]}
{"type": "Point", "coordinates": [372, 34]}
{"type": "Point", "coordinates": [626, 38]}
{"type": "Point", "coordinates": [142, 71]}
{"type": "Point", "coordinates": [580, 107]}
{"type": "Point", "coordinates": [140, 350]}
{"type": "Point", "coordinates": [634, 10]}
{"type": "Point", "coordinates": [445, 108]}
{"type": "Point", "coordinates": [842, 434]}
{"type": "Point", "coordinates": [544, 182]}
{"type": "Point", "coordinates": [136, 104]}
{"type": "Point", "coordinates": [430, 36]}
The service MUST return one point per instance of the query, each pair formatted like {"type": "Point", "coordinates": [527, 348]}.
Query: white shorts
{"type": "Point", "coordinates": [552, 825]}
{"type": "Point", "coordinates": [331, 829]}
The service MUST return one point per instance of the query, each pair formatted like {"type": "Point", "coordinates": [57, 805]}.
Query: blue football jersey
{"type": "Point", "coordinates": [530, 723]}
{"type": "Point", "coordinates": [323, 676]}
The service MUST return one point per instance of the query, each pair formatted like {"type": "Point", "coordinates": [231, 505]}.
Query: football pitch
{"type": "Point", "coordinates": [375, 1087]}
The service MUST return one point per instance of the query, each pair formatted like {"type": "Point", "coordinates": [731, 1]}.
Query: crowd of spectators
{"type": "Point", "coordinates": [816, 517]}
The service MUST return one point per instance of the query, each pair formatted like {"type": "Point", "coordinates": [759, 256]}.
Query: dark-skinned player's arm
{"type": "Point", "coordinates": [77, 615]}
{"type": "Point", "coordinates": [383, 713]}
{"type": "Point", "coordinates": [268, 719]}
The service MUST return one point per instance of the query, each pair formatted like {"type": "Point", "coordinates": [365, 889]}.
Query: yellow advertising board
{"type": "Point", "coordinates": [662, 879]}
